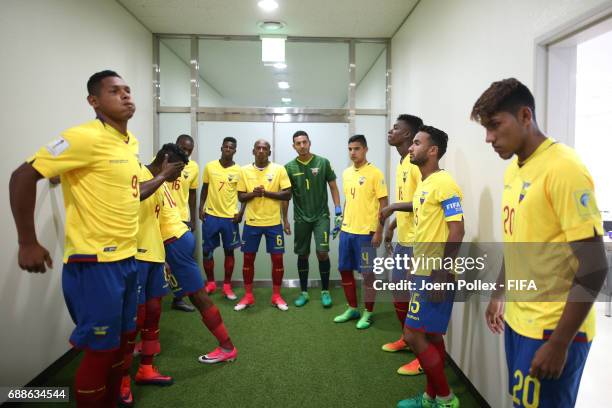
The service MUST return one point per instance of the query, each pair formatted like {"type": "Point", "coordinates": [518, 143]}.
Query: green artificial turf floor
{"type": "Point", "coordinates": [297, 358]}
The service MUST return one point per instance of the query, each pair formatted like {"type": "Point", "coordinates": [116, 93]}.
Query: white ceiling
{"type": "Point", "coordinates": [308, 18]}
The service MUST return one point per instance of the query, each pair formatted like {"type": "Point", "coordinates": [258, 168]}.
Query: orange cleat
{"type": "Point", "coordinates": [149, 375]}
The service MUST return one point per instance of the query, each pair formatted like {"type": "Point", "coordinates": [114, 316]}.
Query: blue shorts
{"type": "Point", "coordinates": [527, 391]}
{"type": "Point", "coordinates": [401, 274]}
{"type": "Point", "coordinates": [152, 281]}
{"type": "Point", "coordinates": [275, 239]}
{"type": "Point", "coordinates": [101, 298]}
{"type": "Point", "coordinates": [212, 227]}
{"type": "Point", "coordinates": [355, 252]}
{"type": "Point", "coordinates": [185, 277]}
{"type": "Point", "coordinates": [423, 314]}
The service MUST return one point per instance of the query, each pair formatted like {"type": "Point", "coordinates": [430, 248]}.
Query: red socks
{"type": "Point", "coordinates": [350, 290]}
{"type": "Point", "coordinates": [401, 309]}
{"type": "Point", "coordinates": [433, 365]}
{"type": "Point", "coordinates": [150, 331]}
{"type": "Point", "coordinates": [213, 321]}
{"type": "Point", "coordinates": [368, 291]}
{"type": "Point", "coordinates": [277, 273]}
{"type": "Point", "coordinates": [209, 269]}
{"type": "Point", "coordinates": [248, 271]}
{"type": "Point", "coordinates": [228, 266]}
{"type": "Point", "coordinates": [91, 378]}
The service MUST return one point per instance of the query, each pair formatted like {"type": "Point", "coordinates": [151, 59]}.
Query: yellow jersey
{"type": "Point", "coordinates": [170, 223]}
{"type": "Point", "coordinates": [222, 198]}
{"type": "Point", "coordinates": [263, 211]}
{"type": "Point", "coordinates": [436, 201]}
{"type": "Point", "coordinates": [100, 174]}
{"type": "Point", "coordinates": [362, 188]}
{"type": "Point", "coordinates": [150, 243]}
{"type": "Point", "coordinates": [548, 201]}
{"type": "Point", "coordinates": [407, 178]}
{"type": "Point", "coordinates": [181, 186]}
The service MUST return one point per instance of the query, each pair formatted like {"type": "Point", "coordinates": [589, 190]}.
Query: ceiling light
{"type": "Point", "coordinates": [286, 100]}
{"type": "Point", "coordinates": [268, 5]}
{"type": "Point", "coordinates": [283, 85]}
{"type": "Point", "coordinates": [280, 65]}
{"type": "Point", "coordinates": [273, 48]}
{"type": "Point", "coordinates": [271, 25]}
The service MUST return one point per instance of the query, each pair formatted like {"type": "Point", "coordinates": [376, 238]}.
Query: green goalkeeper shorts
{"type": "Point", "coordinates": [305, 230]}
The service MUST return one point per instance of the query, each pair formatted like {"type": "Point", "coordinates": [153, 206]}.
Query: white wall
{"type": "Point", "coordinates": [444, 56]}
{"type": "Point", "coordinates": [370, 92]}
{"type": "Point", "coordinates": [49, 50]}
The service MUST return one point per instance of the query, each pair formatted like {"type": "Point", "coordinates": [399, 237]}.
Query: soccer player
{"type": "Point", "coordinates": [439, 230]}
{"type": "Point", "coordinates": [407, 177]}
{"type": "Point", "coordinates": [185, 278]}
{"type": "Point", "coordinates": [365, 194]}
{"type": "Point", "coordinates": [99, 168]}
{"type": "Point", "coordinates": [219, 215]}
{"type": "Point", "coordinates": [309, 175]}
{"type": "Point", "coordinates": [183, 192]}
{"type": "Point", "coordinates": [263, 185]}
{"type": "Point", "coordinates": [548, 198]}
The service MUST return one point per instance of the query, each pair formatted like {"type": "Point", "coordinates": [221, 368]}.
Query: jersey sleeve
{"type": "Point", "coordinates": [284, 178]}
{"type": "Point", "coordinates": [571, 192]}
{"type": "Point", "coordinates": [380, 187]}
{"type": "Point", "coordinates": [196, 177]}
{"type": "Point", "coordinates": [241, 186]}
{"type": "Point", "coordinates": [329, 171]}
{"type": "Point", "coordinates": [205, 175]}
{"type": "Point", "coordinates": [449, 196]}
{"type": "Point", "coordinates": [71, 151]}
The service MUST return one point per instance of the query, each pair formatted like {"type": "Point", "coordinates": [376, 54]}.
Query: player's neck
{"type": "Point", "coordinates": [226, 162]}
{"type": "Point", "coordinates": [403, 150]}
{"type": "Point", "coordinates": [531, 144]}
{"type": "Point", "coordinates": [429, 168]}
{"type": "Point", "coordinates": [119, 126]}
{"type": "Point", "coordinates": [261, 165]}
{"type": "Point", "coordinates": [359, 165]}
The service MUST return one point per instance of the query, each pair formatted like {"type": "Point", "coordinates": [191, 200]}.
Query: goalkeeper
{"type": "Point", "coordinates": [309, 175]}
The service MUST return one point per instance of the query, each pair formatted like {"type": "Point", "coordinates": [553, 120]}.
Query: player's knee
{"type": "Point", "coordinates": [200, 299]}
{"type": "Point", "coordinates": [207, 256]}
{"type": "Point", "coordinates": [322, 256]}
{"type": "Point", "coordinates": [229, 252]}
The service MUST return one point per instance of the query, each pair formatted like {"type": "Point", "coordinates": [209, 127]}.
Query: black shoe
{"type": "Point", "coordinates": [179, 304]}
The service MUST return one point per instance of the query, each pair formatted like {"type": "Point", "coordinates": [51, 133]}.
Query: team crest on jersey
{"type": "Point", "coordinates": [405, 176]}
{"type": "Point", "coordinates": [269, 177]}
{"type": "Point", "coordinates": [526, 185]}
{"type": "Point", "coordinates": [230, 177]}
{"type": "Point", "coordinates": [362, 180]}
{"type": "Point", "coordinates": [422, 199]}
{"type": "Point", "coordinates": [315, 171]}
{"type": "Point", "coordinates": [185, 175]}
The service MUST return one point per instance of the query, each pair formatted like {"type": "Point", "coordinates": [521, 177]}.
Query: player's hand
{"type": "Point", "coordinates": [494, 315]}
{"type": "Point", "coordinates": [237, 218]}
{"type": "Point", "coordinates": [385, 213]}
{"type": "Point", "coordinates": [548, 361]}
{"type": "Point", "coordinates": [190, 225]}
{"type": "Point", "coordinates": [202, 214]}
{"type": "Point", "coordinates": [376, 239]}
{"type": "Point", "coordinates": [259, 191]}
{"type": "Point", "coordinates": [171, 171]}
{"type": "Point", "coordinates": [33, 257]}
{"type": "Point", "coordinates": [437, 277]}
{"type": "Point", "coordinates": [388, 239]}
{"type": "Point", "coordinates": [287, 227]}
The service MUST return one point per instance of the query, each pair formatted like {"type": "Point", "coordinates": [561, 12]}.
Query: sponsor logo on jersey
{"type": "Point", "coordinates": [58, 146]}
{"type": "Point", "coordinates": [100, 330]}
{"type": "Point", "coordinates": [110, 249]}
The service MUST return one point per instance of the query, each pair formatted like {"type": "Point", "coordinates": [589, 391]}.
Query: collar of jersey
{"type": "Point", "coordinates": [362, 167]}
{"type": "Point", "coordinates": [257, 168]}
{"type": "Point", "coordinates": [306, 162]}
{"type": "Point", "coordinates": [110, 129]}
{"type": "Point", "coordinates": [545, 145]}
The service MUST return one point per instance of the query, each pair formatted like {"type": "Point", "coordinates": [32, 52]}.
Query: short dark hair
{"type": "Point", "coordinates": [93, 84]}
{"type": "Point", "coordinates": [300, 133]}
{"type": "Point", "coordinates": [359, 139]}
{"type": "Point", "coordinates": [184, 137]}
{"type": "Point", "coordinates": [507, 95]}
{"type": "Point", "coordinates": [413, 122]}
{"type": "Point", "coordinates": [438, 138]}
{"type": "Point", "coordinates": [174, 153]}
{"type": "Point", "coordinates": [229, 139]}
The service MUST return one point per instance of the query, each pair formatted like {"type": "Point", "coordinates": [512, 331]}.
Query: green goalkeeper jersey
{"type": "Point", "coordinates": [309, 187]}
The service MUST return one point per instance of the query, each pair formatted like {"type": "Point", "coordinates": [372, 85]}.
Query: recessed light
{"type": "Point", "coordinates": [283, 85]}
{"type": "Point", "coordinates": [268, 5]}
{"type": "Point", "coordinates": [271, 25]}
{"type": "Point", "coordinates": [286, 100]}
{"type": "Point", "coordinates": [280, 65]}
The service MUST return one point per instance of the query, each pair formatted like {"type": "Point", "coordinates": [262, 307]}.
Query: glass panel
{"type": "Point", "coordinates": [232, 74]}
{"type": "Point", "coordinates": [175, 72]}
{"type": "Point", "coordinates": [371, 75]}
{"type": "Point", "coordinates": [171, 125]}
{"type": "Point", "coordinates": [374, 128]}
{"type": "Point", "coordinates": [329, 141]}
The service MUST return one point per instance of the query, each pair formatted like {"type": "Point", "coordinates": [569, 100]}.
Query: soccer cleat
{"type": "Point", "coordinates": [180, 304]}
{"type": "Point", "coordinates": [138, 348]}
{"type": "Point", "coordinates": [394, 346]}
{"type": "Point", "coordinates": [452, 402]}
{"type": "Point", "coordinates": [228, 292]}
{"type": "Point", "coordinates": [210, 287]}
{"type": "Point", "coordinates": [279, 302]}
{"type": "Point", "coordinates": [326, 299]}
{"type": "Point", "coordinates": [302, 300]}
{"type": "Point", "coordinates": [412, 368]}
{"type": "Point", "coordinates": [149, 375]}
{"type": "Point", "coordinates": [126, 399]}
{"type": "Point", "coordinates": [422, 401]}
{"type": "Point", "coordinates": [349, 314]}
{"type": "Point", "coordinates": [366, 320]}
{"type": "Point", "coordinates": [246, 301]}
{"type": "Point", "coordinates": [218, 356]}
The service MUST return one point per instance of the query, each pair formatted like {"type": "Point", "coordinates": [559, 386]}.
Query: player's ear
{"type": "Point", "coordinates": [524, 115]}
{"type": "Point", "coordinates": [93, 101]}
